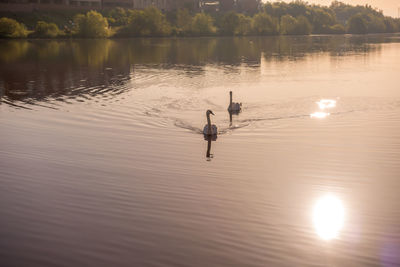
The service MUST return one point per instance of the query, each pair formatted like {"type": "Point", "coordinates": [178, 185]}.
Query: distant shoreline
{"type": "Point", "coordinates": [194, 37]}
{"type": "Point", "coordinates": [268, 19]}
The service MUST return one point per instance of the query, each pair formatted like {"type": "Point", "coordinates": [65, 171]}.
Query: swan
{"type": "Point", "coordinates": [209, 129]}
{"type": "Point", "coordinates": [234, 107]}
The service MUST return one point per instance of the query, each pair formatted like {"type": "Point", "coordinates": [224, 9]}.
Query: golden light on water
{"type": "Point", "coordinates": [326, 103]}
{"type": "Point", "coordinates": [323, 104]}
{"type": "Point", "coordinates": [319, 115]}
{"type": "Point", "coordinates": [328, 217]}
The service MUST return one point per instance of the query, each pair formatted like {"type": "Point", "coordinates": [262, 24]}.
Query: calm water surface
{"type": "Point", "coordinates": [103, 162]}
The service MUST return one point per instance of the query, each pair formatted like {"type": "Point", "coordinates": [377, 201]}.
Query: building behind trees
{"type": "Point", "coordinates": [38, 5]}
{"type": "Point", "coordinates": [245, 6]}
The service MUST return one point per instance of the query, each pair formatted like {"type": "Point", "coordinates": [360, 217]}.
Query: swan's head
{"type": "Point", "coordinates": [210, 112]}
{"type": "Point", "coordinates": [230, 92]}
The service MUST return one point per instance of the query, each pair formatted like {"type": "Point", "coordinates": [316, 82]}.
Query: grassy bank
{"type": "Point", "coordinates": [296, 18]}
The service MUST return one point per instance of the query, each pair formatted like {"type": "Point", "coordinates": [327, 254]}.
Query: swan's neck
{"type": "Point", "coordinates": [230, 101]}
{"type": "Point", "coordinates": [209, 124]}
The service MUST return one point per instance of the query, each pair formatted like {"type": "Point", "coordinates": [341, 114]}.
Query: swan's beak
{"type": "Point", "coordinates": [212, 113]}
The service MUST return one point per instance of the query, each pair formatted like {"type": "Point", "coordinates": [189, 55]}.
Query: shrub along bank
{"type": "Point", "coordinates": [295, 18]}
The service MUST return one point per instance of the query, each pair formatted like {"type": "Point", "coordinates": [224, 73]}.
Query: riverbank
{"type": "Point", "coordinates": [293, 19]}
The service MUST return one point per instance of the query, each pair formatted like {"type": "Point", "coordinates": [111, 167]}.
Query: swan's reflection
{"type": "Point", "coordinates": [209, 139]}
{"type": "Point", "coordinates": [230, 116]}
{"type": "Point", "coordinates": [328, 217]}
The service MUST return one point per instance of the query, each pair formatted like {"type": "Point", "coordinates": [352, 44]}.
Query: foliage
{"type": "Point", "coordinates": [10, 28]}
{"type": "Point", "coordinates": [230, 23]}
{"type": "Point", "coordinates": [117, 17]}
{"type": "Point", "coordinates": [336, 29]}
{"type": "Point", "coordinates": [46, 30]}
{"type": "Point", "coordinates": [375, 24]}
{"type": "Point", "coordinates": [288, 25]}
{"type": "Point", "coordinates": [91, 25]}
{"type": "Point", "coordinates": [263, 24]}
{"type": "Point", "coordinates": [136, 25]}
{"type": "Point", "coordinates": [366, 23]}
{"type": "Point", "coordinates": [295, 26]}
{"type": "Point", "coordinates": [156, 23]}
{"type": "Point", "coordinates": [303, 26]}
{"type": "Point", "coordinates": [344, 11]}
{"type": "Point", "coordinates": [358, 19]}
{"type": "Point", "coordinates": [62, 18]}
{"type": "Point", "coordinates": [273, 18]}
{"type": "Point", "coordinates": [248, 7]}
{"type": "Point", "coordinates": [183, 21]}
{"type": "Point", "coordinates": [245, 25]}
{"type": "Point", "coordinates": [148, 22]}
{"type": "Point", "coordinates": [321, 20]}
{"type": "Point", "coordinates": [357, 24]}
{"type": "Point", "coordinates": [203, 24]}
{"type": "Point", "coordinates": [391, 25]}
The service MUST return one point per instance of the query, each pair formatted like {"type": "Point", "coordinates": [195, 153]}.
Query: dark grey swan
{"type": "Point", "coordinates": [234, 107]}
{"type": "Point", "coordinates": [210, 129]}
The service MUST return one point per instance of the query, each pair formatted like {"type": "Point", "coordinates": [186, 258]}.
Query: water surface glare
{"type": "Point", "coordinates": [103, 161]}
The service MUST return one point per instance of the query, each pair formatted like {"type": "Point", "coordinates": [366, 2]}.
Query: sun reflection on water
{"type": "Point", "coordinates": [328, 217]}
{"type": "Point", "coordinates": [323, 104]}
{"type": "Point", "coordinates": [319, 115]}
{"type": "Point", "coordinates": [326, 103]}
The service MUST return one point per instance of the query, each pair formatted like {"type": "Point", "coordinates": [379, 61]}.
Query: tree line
{"type": "Point", "coordinates": [277, 18]}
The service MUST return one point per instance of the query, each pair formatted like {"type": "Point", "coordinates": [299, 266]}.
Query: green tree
{"type": "Point", "coordinates": [245, 24]}
{"type": "Point", "coordinates": [303, 26]}
{"type": "Point", "coordinates": [117, 17]}
{"type": "Point", "coordinates": [288, 25]}
{"type": "Point", "coordinates": [183, 20]}
{"type": "Point", "coordinates": [203, 24]}
{"type": "Point", "coordinates": [91, 25]}
{"type": "Point", "coordinates": [136, 24]}
{"type": "Point", "coordinates": [337, 29]}
{"type": "Point", "coordinates": [321, 20]}
{"type": "Point", "coordinates": [390, 24]}
{"type": "Point", "coordinates": [148, 22]}
{"type": "Point", "coordinates": [297, 8]}
{"type": "Point", "coordinates": [375, 24]}
{"type": "Point", "coordinates": [230, 23]}
{"type": "Point", "coordinates": [46, 30]}
{"type": "Point", "coordinates": [10, 28]}
{"type": "Point", "coordinates": [398, 25]}
{"type": "Point", "coordinates": [263, 24]}
{"type": "Point", "coordinates": [344, 12]}
{"type": "Point", "coordinates": [295, 26]}
{"type": "Point", "coordinates": [156, 23]}
{"type": "Point", "coordinates": [276, 9]}
{"type": "Point", "coordinates": [357, 24]}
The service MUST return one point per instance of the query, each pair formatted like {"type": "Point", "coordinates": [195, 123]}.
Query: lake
{"type": "Point", "coordinates": [103, 161]}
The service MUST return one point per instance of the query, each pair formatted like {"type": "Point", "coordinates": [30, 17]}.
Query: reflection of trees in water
{"type": "Point", "coordinates": [12, 50]}
{"type": "Point", "coordinates": [48, 82]}
{"type": "Point", "coordinates": [43, 69]}
{"type": "Point", "coordinates": [298, 47]}
{"type": "Point", "coordinates": [48, 70]}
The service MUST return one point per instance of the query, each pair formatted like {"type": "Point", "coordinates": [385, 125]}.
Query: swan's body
{"type": "Point", "coordinates": [210, 129]}
{"type": "Point", "coordinates": [234, 107]}
{"type": "Point", "coordinates": [213, 130]}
